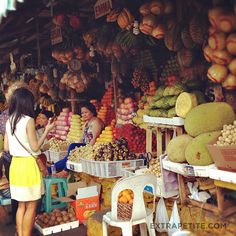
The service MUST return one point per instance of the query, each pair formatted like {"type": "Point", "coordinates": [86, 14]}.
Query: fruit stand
{"type": "Point", "coordinates": [161, 76]}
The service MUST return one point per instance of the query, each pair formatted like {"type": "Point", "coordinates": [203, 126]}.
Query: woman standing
{"type": "Point", "coordinates": [25, 177]}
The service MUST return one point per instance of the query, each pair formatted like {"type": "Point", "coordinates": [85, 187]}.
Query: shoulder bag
{"type": "Point", "coordinates": [42, 167]}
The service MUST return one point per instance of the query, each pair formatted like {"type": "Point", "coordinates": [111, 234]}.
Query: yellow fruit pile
{"type": "Point", "coordinates": [75, 132]}
{"type": "Point", "coordinates": [106, 135]}
{"type": "Point", "coordinates": [126, 196]}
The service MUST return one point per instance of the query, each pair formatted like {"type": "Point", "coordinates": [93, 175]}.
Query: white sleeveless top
{"type": "Point", "coordinates": [15, 148]}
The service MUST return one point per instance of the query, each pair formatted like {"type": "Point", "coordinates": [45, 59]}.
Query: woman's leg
{"type": "Point", "coordinates": [29, 217]}
{"type": "Point", "coordinates": [19, 217]}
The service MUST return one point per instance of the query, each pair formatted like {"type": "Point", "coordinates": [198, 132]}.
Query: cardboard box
{"type": "Point", "coordinates": [84, 198]}
{"type": "Point", "coordinates": [223, 156]}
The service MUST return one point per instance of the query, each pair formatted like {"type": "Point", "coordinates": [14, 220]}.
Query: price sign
{"type": "Point", "coordinates": [56, 36]}
{"type": "Point", "coordinates": [189, 170]}
{"type": "Point", "coordinates": [72, 167]}
{"type": "Point", "coordinates": [102, 7]}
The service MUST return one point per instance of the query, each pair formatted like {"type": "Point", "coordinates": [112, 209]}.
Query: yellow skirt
{"type": "Point", "coordinates": [25, 179]}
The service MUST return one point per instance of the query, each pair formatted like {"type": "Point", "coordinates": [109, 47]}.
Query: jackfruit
{"type": "Point", "coordinates": [208, 117]}
{"type": "Point", "coordinates": [185, 103]}
{"type": "Point", "coordinates": [196, 152]}
{"type": "Point", "coordinates": [176, 148]}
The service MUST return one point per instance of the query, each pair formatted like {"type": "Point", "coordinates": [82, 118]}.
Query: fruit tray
{"type": "Point", "coordinates": [108, 169]}
{"type": "Point", "coordinates": [178, 121]}
{"type": "Point", "coordinates": [56, 156]}
{"type": "Point", "coordinates": [186, 169]}
{"type": "Point", "coordinates": [74, 166]}
{"type": "Point", "coordinates": [56, 228]}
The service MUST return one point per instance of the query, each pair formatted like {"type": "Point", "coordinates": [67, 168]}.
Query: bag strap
{"type": "Point", "coordinates": [24, 146]}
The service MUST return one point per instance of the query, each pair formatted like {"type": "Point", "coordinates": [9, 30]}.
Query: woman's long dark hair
{"type": "Point", "coordinates": [21, 103]}
{"type": "Point", "coordinates": [89, 106]}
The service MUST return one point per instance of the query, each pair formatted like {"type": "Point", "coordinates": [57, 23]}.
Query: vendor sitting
{"type": "Point", "coordinates": [93, 127]}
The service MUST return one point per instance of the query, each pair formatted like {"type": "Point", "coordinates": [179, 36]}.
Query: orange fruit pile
{"type": "Point", "coordinates": [126, 196]}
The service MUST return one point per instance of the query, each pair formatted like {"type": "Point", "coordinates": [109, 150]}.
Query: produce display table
{"type": "Point", "coordinates": [186, 169]}
{"type": "Point", "coordinates": [223, 208]}
{"type": "Point", "coordinates": [165, 129]}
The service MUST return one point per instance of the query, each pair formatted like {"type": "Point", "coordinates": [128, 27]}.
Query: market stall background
{"type": "Point", "coordinates": [140, 63]}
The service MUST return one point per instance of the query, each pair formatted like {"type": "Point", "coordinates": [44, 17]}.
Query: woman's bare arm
{"type": "Point", "coordinates": [97, 129]}
{"type": "Point", "coordinates": [6, 144]}
{"type": "Point", "coordinates": [35, 143]}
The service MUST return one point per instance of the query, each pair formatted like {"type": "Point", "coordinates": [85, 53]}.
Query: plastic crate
{"type": "Point", "coordinates": [186, 169]}
{"type": "Point", "coordinates": [56, 228]}
{"type": "Point", "coordinates": [74, 166]}
{"type": "Point", "coordinates": [108, 169]}
{"type": "Point", "coordinates": [5, 201]}
{"type": "Point", "coordinates": [56, 156]}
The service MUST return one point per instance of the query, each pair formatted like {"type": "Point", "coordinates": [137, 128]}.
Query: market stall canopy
{"type": "Point", "coordinates": [31, 21]}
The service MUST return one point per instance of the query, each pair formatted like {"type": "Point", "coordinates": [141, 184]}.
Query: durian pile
{"type": "Point", "coordinates": [75, 132]}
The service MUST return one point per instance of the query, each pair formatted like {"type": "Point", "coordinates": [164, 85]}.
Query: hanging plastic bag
{"type": "Point", "coordinates": [161, 219]}
{"type": "Point", "coordinates": [174, 223]}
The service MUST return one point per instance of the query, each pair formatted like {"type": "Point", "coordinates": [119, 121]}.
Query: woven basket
{"type": "Point", "coordinates": [124, 211]}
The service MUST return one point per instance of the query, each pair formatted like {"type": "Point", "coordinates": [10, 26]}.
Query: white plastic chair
{"type": "Point", "coordinates": [140, 214]}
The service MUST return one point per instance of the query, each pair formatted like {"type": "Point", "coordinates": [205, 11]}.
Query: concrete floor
{"type": "Point", "coordinates": [7, 227]}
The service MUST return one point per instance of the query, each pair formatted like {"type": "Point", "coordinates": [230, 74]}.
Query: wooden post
{"type": "Point", "coordinates": [149, 139]}
{"type": "Point", "coordinates": [73, 100]}
{"type": "Point", "coordinates": [159, 142]}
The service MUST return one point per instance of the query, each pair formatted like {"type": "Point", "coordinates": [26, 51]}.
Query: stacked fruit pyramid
{"type": "Point", "coordinates": [63, 124]}
{"type": "Point", "coordinates": [106, 113]}
{"type": "Point", "coordinates": [107, 133]}
{"type": "Point", "coordinates": [75, 132]}
{"type": "Point", "coordinates": [107, 97]}
{"type": "Point", "coordinates": [126, 111]}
